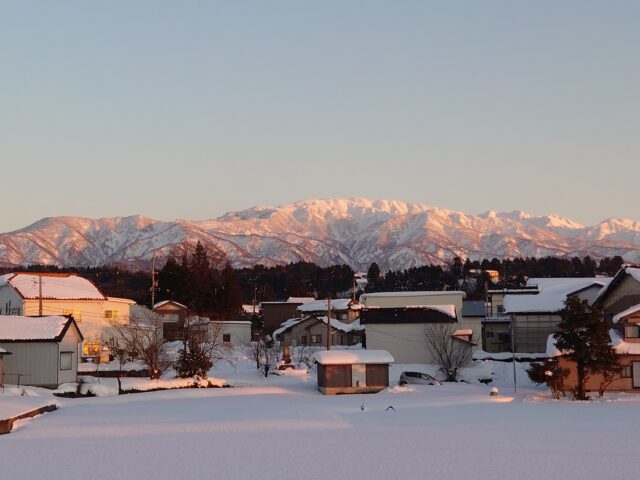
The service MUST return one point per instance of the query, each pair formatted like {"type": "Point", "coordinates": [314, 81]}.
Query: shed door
{"type": "Point", "coordinates": [636, 374]}
{"type": "Point", "coordinates": [358, 375]}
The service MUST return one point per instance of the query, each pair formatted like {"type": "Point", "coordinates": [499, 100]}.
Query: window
{"type": "Point", "coordinates": [316, 338]}
{"type": "Point", "coordinates": [90, 349]}
{"type": "Point", "coordinates": [111, 314]}
{"type": "Point", "coordinates": [627, 372]}
{"type": "Point", "coordinates": [66, 360]}
{"type": "Point", "coordinates": [303, 340]}
{"type": "Point", "coordinates": [632, 331]}
{"type": "Point", "coordinates": [226, 337]}
{"type": "Point", "coordinates": [488, 334]}
{"type": "Point", "coordinates": [500, 309]}
{"type": "Point", "coordinates": [77, 316]}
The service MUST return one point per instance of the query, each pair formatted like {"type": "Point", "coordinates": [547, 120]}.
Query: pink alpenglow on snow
{"type": "Point", "coordinates": [55, 286]}
{"type": "Point", "coordinates": [346, 357]}
{"type": "Point", "coordinates": [14, 328]}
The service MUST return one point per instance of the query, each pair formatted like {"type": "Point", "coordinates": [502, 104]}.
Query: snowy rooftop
{"type": "Point", "coordinates": [121, 300]}
{"type": "Point", "coordinates": [300, 299]}
{"type": "Point", "coordinates": [619, 345]}
{"type": "Point", "coordinates": [336, 304]}
{"type": "Point", "coordinates": [335, 323]}
{"type": "Point", "coordinates": [348, 357]}
{"type": "Point", "coordinates": [626, 313]}
{"type": "Point", "coordinates": [16, 328]}
{"type": "Point", "coordinates": [54, 286]}
{"type": "Point", "coordinates": [553, 293]}
{"type": "Point", "coordinates": [411, 294]}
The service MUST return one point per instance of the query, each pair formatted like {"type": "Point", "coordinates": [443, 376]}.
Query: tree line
{"type": "Point", "coordinates": [202, 278]}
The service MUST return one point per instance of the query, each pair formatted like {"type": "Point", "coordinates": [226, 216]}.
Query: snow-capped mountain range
{"type": "Point", "coordinates": [353, 231]}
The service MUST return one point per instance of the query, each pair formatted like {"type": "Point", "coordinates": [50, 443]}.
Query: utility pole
{"type": "Point", "coordinates": [513, 352]}
{"type": "Point", "coordinates": [40, 295]}
{"type": "Point", "coordinates": [329, 323]}
{"type": "Point", "coordinates": [153, 280]}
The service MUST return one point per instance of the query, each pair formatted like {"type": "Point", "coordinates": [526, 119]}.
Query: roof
{"type": "Point", "coordinates": [335, 323]}
{"type": "Point", "coordinates": [167, 302]}
{"type": "Point", "coordinates": [300, 299]}
{"type": "Point", "coordinates": [349, 357]}
{"type": "Point", "coordinates": [474, 308]}
{"type": "Point", "coordinates": [3, 352]}
{"type": "Point", "coordinates": [424, 314]}
{"type": "Point", "coordinates": [17, 328]}
{"type": "Point", "coordinates": [617, 342]}
{"type": "Point", "coordinates": [121, 300]}
{"type": "Point", "coordinates": [336, 304]}
{"type": "Point", "coordinates": [426, 293]}
{"type": "Point", "coordinates": [633, 272]}
{"type": "Point", "coordinates": [553, 294]}
{"type": "Point", "coordinates": [55, 286]}
{"type": "Point", "coordinates": [626, 313]}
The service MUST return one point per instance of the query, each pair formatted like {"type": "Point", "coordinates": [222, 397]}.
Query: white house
{"type": "Point", "coordinates": [232, 333]}
{"type": "Point", "coordinates": [35, 294]}
{"type": "Point", "coordinates": [44, 350]}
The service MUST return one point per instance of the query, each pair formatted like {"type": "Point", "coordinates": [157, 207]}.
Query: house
{"type": "Point", "coordinates": [44, 350]}
{"type": "Point", "coordinates": [233, 333]}
{"type": "Point", "coordinates": [346, 310]}
{"type": "Point", "coordinates": [418, 299]}
{"type": "Point", "coordinates": [276, 313]}
{"type": "Point", "coordinates": [171, 311]}
{"type": "Point", "coordinates": [37, 294]}
{"type": "Point", "coordinates": [312, 331]}
{"type": "Point", "coordinates": [401, 331]}
{"type": "Point", "coordinates": [352, 371]}
{"type": "Point", "coordinates": [621, 293]}
{"type": "Point", "coordinates": [625, 339]}
{"type": "Point", "coordinates": [536, 316]}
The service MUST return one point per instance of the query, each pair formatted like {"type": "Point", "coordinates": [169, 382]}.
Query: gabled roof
{"type": "Point", "coordinates": [335, 324]}
{"type": "Point", "coordinates": [55, 286]}
{"type": "Point", "coordinates": [170, 302]}
{"type": "Point", "coordinates": [633, 272]}
{"type": "Point", "coordinates": [553, 294]}
{"type": "Point", "coordinates": [15, 328]}
{"type": "Point", "coordinates": [336, 304]}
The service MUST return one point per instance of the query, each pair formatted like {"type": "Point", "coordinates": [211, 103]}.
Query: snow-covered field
{"type": "Point", "coordinates": [281, 428]}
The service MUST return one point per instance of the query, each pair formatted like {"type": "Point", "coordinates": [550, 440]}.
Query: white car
{"type": "Point", "coordinates": [417, 378]}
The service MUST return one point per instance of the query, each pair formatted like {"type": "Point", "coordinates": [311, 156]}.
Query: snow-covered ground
{"type": "Point", "coordinates": [281, 428]}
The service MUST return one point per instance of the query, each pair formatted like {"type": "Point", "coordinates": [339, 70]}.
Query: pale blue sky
{"type": "Point", "coordinates": [190, 109]}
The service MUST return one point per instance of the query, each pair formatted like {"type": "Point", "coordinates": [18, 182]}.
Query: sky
{"type": "Point", "coordinates": [192, 109]}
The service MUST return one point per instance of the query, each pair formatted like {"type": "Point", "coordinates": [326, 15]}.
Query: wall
{"type": "Point", "coordinates": [593, 381]}
{"type": "Point", "coordinates": [533, 330]}
{"type": "Point", "coordinates": [626, 294]}
{"type": "Point", "coordinates": [240, 331]}
{"type": "Point", "coordinates": [70, 343]}
{"type": "Point", "coordinates": [39, 360]}
{"type": "Point", "coordinates": [9, 298]}
{"type": "Point", "coordinates": [275, 314]}
{"type": "Point", "coordinates": [405, 342]}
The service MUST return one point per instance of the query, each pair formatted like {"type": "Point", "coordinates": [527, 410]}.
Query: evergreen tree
{"type": "Point", "coordinates": [584, 336]}
{"type": "Point", "coordinates": [373, 277]}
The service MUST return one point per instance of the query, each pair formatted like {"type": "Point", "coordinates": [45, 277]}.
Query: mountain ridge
{"type": "Point", "coordinates": [355, 231]}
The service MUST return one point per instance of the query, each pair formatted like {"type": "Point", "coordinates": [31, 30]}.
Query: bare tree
{"type": "Point", "coordinates": [255, 350]}
{"type": "Point", "coordinates": [141, 336]}
{"type": "Point", "coordinates": [201, 347]}
{"type": "Point", "coordinates": [449, 352]}
{"type": "Point", "coordinates": [608, 376]}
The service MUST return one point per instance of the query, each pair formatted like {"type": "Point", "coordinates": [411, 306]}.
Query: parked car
{"type": "Point", "coordinates": [417, 378]}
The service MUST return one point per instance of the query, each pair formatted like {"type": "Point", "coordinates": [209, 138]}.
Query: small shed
{"type": "Point", "coordinates": [352, 371]}
{"type": "Point", "coordinates": [44, 350]}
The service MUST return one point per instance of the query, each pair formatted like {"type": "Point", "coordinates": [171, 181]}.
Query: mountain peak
{"type": "Point", "coordinates": [355, 231]}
